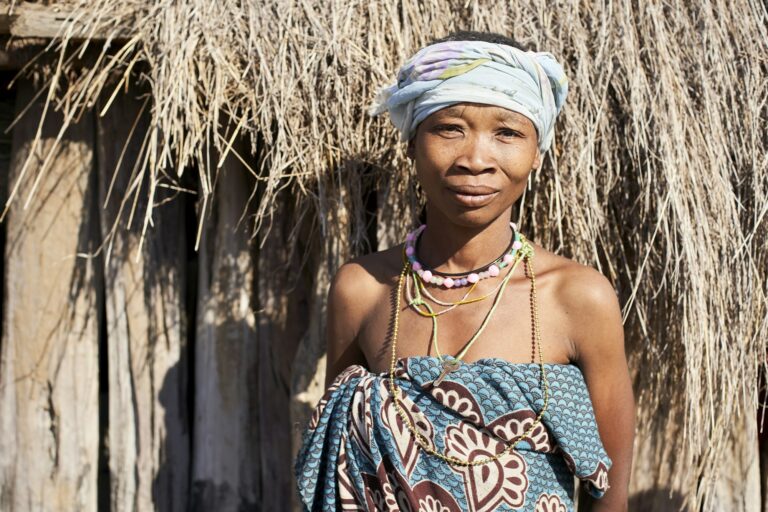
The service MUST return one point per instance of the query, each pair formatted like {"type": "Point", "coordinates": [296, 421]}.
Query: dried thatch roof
{"type": "Point", "coordinates": [659, 175]}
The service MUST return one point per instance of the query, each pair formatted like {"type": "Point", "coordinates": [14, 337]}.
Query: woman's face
{"type": "Point", "coordinates": [473, 161]}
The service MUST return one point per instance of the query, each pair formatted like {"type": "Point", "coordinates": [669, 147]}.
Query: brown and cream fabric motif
{"type": "Point", "coordinates": [358, 453]}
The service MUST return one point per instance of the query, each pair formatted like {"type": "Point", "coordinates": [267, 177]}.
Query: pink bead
{"type": "Point", "coordinates": [416, 266]}
{"type": "Point", "coordinates": [426, 276]}
{"type": "Point", "coordinates": [518, 244]}
{"type": "Point", "coordinates": [493, 270]}
{"type": "Point", "coordinates": [473, 278]}
{"type": "Point", "coordinates": [420, 272]}
{"type": "Point", "coordinates": [464, 281]}
{"type": "Point", "coordinates": [508, 258]}
{"type": "Point", "coordinates": [448, 282]}
{"type": "Point", "coordinates": [409, 237]}
{"type": "Point", "coordinates": [409, 250]}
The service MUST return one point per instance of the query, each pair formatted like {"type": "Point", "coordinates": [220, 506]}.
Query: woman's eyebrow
{"type": "Point", "coordinates": [451, 112]}
{"type": "Point", "coordinates": [510, 116]}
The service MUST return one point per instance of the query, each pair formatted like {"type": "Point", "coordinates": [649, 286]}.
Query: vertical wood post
{"type": "Point", "coordinates": [49, 378]}
{"type": "Point", "coordinates": [739, 486]}
{"type": "Point", "coordinates": [146, 324]}
{"type": "Point", "coordinates": [226, 446]}
{"type": "Point", "coordinates": [308, 369]}
{"type": "Point", "coordinates": [309, 361]}
{"type": "Point", "coordinates": [282, 320]}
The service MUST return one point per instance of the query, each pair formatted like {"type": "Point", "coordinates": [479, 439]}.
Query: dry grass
{"type": "Point", "coordinates": [659, 176]}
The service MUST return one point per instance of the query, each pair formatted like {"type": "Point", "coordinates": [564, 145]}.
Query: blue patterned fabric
{"type": "Point", "coordinates": [357, 454]}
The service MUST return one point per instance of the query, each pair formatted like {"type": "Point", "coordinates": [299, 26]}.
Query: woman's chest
{"type": "Point", "coordinates": [505, 331]}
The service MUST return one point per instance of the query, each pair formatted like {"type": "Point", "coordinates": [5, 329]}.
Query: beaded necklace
{"type": "Point", "coordinates": [451, 280]}
{"type": "Point", "coordinates": [525, 253]}
{"type": "Point", "coordinates": [421, 288]}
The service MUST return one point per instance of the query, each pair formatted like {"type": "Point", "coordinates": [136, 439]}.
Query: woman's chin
{"type": "Point", "coordinates": [475, 218]}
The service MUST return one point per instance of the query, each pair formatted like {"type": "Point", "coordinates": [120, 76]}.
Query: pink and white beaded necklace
{"type": "Point", "coordinates": [447, 280]}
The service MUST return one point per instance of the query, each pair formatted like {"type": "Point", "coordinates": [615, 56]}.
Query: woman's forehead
{"type": "Point", "coordinates": [465, 110]}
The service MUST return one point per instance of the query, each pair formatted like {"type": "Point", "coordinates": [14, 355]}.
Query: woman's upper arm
{"type": "Point", "coordinates": [346, 312]}
{"type": "Point", "coordinates": [598, 334]}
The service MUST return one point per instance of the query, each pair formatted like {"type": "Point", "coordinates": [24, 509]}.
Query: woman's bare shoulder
{"type": "Point", "coordinates": [371, 273]}
{"type": "Point", "coordinates": [360, 284]}
{"type": "Point", "coordinates": [356, 288]}
{"type": "Point", "coordinates": [585, 296]}
{"type": "Point", "coordinates": [572, 282]}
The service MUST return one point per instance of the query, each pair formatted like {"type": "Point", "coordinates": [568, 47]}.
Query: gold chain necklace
{"type": "Point", "coordinates": [418, 301]}
{"type": "Point", "coordinates": [421, 441]}
{"type": "Point", "coordinates": [454, 362]}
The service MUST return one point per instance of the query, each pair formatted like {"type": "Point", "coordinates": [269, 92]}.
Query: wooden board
{"type": "Point", "coordinates": [308, 379]}
{"type": "Point", "coordinates": [226, 463]}
{"type": "Point", "coordinates": [739, 485]}
{"type": "Point", "coordinates": [28, 19]}
{"type": "Point", "coordinates": [282, 320]}
{"type": "Point", "coordinates": [146, 327]}
{"type": "Point", "coordinates": [309, 362]}
{"type": "Point", "coordinates": [49, 402]}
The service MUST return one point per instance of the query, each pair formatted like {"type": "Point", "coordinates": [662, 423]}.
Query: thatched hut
{"type": "Point", "coordinates": [184, 177]}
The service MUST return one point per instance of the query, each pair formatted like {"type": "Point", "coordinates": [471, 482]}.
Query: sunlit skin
{"type": "Point", "coordinates": [473, 149]}
{"type": "Point", "coordinates": [473, 162]}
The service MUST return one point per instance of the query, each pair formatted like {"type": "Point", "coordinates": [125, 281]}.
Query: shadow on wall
{"type": "Point", "coordinates": [657, 500]}
{"type": "Point", "coordinates": [169, 487]}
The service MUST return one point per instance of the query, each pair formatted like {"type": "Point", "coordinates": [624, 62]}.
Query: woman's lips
{"type": "Point", "coordinates": [473, 197]}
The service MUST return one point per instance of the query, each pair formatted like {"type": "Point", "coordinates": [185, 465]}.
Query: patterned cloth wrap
{"type": "Point", "coordinates": [443, 74]}
{"type": "Point", "coordinates": [357, 454]}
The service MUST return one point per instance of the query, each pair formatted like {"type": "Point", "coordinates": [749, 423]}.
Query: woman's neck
{"type": "Point", "coordinates": [447, 247]}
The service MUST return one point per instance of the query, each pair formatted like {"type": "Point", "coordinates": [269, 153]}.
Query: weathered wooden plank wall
{"type": "Point", "coordinates": [739, 489]}
{"type": "Point", "coordinates": [230, 356]}
{"type": "Point", "coordinates": [308, 376]}
{"type": "Point", "coordinates": [283, 319]}
{"type": "Point", "coordinates": [225, 462]}
{"type": "Point", "coordinates": [146, 325]}
{"type": "Point", "coordinates": [49, 367]}
{"type": "Point", "coordinates": [653, 486]}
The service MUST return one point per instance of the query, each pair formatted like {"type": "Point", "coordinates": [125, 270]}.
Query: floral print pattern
{"type": "Point", "coordinates": [358, 454]}
{"type": "Point", "coordinates": [550, 503]}
{"type": "Point", "coordinates": [487, 486]}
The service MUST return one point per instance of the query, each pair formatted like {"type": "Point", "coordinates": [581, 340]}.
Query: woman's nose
{"type": "Point", "coordinates": [476, 155]}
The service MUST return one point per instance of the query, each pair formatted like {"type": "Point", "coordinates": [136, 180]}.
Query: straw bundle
{"type": "Point", "coordinates": [658, 177]}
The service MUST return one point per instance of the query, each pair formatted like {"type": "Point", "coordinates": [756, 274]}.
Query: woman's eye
{"type": "Point", "coordinates": [509, 133]}
{"type": "Point", "coordinates": [448, 128]}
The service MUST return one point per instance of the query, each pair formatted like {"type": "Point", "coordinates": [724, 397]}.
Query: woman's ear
{"type": "Point", "coordinates": [537, 161]}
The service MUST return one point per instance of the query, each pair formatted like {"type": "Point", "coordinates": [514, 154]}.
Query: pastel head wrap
{"type": "Point", "coordinates": [443, 74]}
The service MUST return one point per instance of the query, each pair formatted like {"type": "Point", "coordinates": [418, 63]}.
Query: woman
{"type": "Point", "coordinates": [525, 383]}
